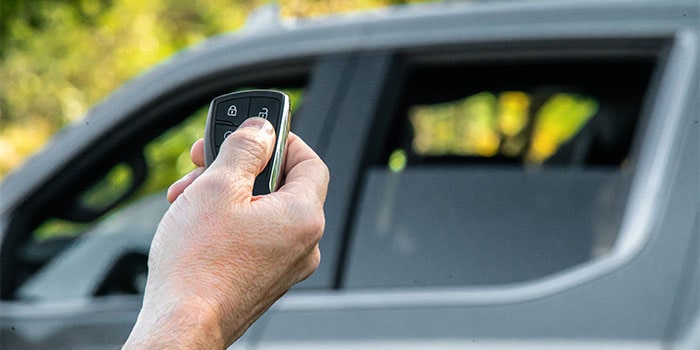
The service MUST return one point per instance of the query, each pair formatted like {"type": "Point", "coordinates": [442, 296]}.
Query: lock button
{"type": "Point", "coordinates": [233, 111]}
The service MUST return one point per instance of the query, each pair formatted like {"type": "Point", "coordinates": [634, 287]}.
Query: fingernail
{"type": "Point", "coordinates": [257, 123]}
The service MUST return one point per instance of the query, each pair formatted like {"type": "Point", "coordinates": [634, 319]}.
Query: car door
{"type": "Point", "coordinates": [465, 220]}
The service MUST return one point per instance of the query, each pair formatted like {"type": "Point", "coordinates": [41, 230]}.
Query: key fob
{"type": "Point", "coordinates": [227, 112]}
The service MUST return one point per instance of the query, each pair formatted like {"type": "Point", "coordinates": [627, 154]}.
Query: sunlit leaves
{"type": "Point", "coordinates": [53, 228]}
{"type": "Point", "coordinates": [557, 121]}
{"type": "Point", "coordinates": [512, 112]}
{"type": "Point", "coordinates": [464, 127]}
{"type": "Point", "coordinates": [485, 125]}
{"type": "Point", "coordinates": [398, 160]}
{"type": "Point", "coordinates": [61, 57]}
{"type": "Point", "coordinates": [168, 156]}
{"type": "Point", "coordinates": [108, 190]}
{"type": "Point", "coordinates": [310, 8]}
{"type": "Point", "coordinates": [19, 139]}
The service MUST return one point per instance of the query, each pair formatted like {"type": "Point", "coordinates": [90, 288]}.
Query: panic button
{"type": "Point", "coordinates": [221, 132]}
{"type": "Point", "coordinates": [267, 108]}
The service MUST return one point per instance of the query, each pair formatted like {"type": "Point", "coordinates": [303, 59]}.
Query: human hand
{"type": "Point", "coordinates": [221, 257]}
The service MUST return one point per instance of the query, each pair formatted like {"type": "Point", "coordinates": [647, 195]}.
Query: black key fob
{"type": "Point", "coordinates": [227, 112]}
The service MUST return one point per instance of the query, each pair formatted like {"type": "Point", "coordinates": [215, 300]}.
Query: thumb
{"type": "Point", "coordinates": [244, 154]}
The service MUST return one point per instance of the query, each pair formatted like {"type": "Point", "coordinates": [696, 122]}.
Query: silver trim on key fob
{"type": "Point", "coordinates": [280, 154]}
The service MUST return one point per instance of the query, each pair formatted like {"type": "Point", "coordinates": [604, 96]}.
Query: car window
{"type": "Point", "coordinates": [496, 173]}
{"type": "Point", "coordinates": [133, 201]}
{"type": "Point", "coordinates": [167, 159]}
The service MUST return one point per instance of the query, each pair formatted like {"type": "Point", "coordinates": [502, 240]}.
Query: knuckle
{"type": "Point", "coordinates": [323, 171]}
{"type": "Point", "coordinates": [306, 222]}
{"type": "Point", "coordinates": [323, 180]}
{"type": "Point", "coordinates": [316, 225]}
{"type": "Point", "coordinates": [313, 229]}
{"type": "Point", "coordinates": [326, 172]}
{"type": "Point", "coordinates": [311, 263]}
{"type": "Point", "coordinates": [314, 260]}
{"type": "Point", "coordinates": [209, 185]}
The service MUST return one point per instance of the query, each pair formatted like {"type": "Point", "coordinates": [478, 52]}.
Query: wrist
{"type": "Point", "coordinates": [178, 325]}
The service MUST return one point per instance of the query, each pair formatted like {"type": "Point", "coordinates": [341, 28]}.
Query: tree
{"type": "Point", "coordinates": [59, 57]}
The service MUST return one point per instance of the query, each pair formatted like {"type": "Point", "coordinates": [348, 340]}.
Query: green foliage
{"type": "Point", "coordinates": [168, 156]}
{"type": "Point", "coordinates": [59, 57]}
{"type": "Point", "coordinates": [108, 189]}
{"type": "Point", "coordinates": [53, 228]}
{"type": "Point", "coordinates": [486, 125]}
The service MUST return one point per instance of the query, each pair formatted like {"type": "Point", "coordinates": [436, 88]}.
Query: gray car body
{"type": "Point", "coordinates": [644, 294]}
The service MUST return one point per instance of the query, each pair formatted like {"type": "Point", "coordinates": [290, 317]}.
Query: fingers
{"type": "Point", "coordinates": [244, 154]}
{"type": "Point", "coordinates": [306, 174]}
{"type": "Point", "coordinates": [178, 187]}
{"type": "Point", "coordinates": [297, 152]}
{"type": "Point", "coordinates": [197, 153]}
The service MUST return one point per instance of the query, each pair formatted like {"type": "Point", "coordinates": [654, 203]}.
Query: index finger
{"type": "Point", "coordinates": [197, 153]}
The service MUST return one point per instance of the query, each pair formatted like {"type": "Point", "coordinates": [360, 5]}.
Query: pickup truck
{"type": "Point", "coordinates": [505, 175]}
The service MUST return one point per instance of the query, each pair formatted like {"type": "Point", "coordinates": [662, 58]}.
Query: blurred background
{"type": "Point", "coordinates": [60, 57]}
{"type": "Point", "coordinates": [507, 166]}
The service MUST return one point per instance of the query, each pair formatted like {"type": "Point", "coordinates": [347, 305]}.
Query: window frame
{"type": "Point", "coordinates": [169, 104]}
{"type": "Point", "coordinates": [669, 53]}
{"type": "Point", "coordinates": [382, 316]}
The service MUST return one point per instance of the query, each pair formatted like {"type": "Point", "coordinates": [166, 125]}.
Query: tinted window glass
{"type": "Point", "coordinates": [129, 208]}
{"type": "Point", "coordinates": [496, 173]}
{"type": "Point", "coordinates": [488, 125]}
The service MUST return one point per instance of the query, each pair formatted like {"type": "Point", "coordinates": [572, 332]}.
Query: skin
{"type": "Point", "coordinates": [221, 257]}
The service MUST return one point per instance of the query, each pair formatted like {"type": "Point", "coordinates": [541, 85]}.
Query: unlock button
{"type": "Point", "coordinates": [233, 111]}
{"type": "Point", "coordinates": [267, 108]}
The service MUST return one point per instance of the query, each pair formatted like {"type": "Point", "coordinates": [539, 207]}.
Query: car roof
{"type": "Point", "coordinates": [394, 28]}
